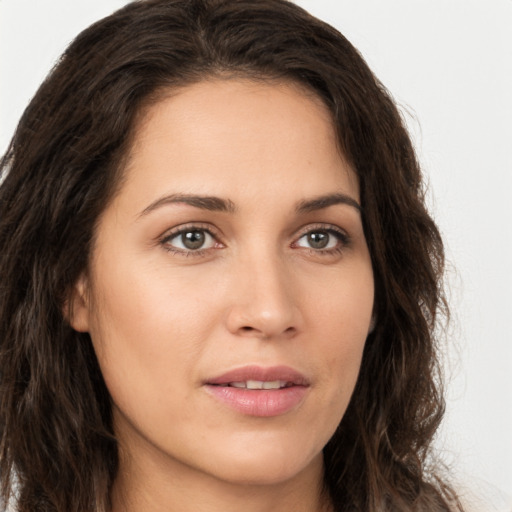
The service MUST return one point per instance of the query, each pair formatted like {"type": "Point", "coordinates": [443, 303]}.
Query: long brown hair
{"type": "Point", "coordinates": [63, 166]}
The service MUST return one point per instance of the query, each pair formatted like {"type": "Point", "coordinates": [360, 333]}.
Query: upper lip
{"type": "Point", "coordinates": [261, 373]}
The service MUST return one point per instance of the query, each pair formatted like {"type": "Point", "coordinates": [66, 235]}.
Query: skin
{"type": "Point", "coordinates": [164, 318]}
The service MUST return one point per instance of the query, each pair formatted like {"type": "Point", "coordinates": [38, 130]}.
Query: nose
{"type": "Point", "coordinates": [265, 302]}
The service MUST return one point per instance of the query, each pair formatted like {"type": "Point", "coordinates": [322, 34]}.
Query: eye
{"type": "Point", "coordinates": [323, 240]}
{"type": "Point", "coordinates": [318, 240]}
{"type": "Point", "coordinates": [190, 240]}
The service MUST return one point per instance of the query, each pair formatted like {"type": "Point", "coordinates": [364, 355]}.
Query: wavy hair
{"type": "Point", "coordinates": [58, 450]}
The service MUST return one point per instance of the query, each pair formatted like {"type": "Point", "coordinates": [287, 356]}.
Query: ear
{"type": "Point", "coordinates": [77, 305]}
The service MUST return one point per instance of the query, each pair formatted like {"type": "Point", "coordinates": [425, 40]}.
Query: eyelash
{"type": "Point", "coordinates": [341, 236]}
{"type": "Point", "coordinates": [187, 229]}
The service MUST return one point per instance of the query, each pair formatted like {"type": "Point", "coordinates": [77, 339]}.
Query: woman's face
{"type": "Point", "coordinates": [230, 289]}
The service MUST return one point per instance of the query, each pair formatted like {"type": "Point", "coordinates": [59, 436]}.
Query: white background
{"type": "Point", "coordinates": [448, 64]}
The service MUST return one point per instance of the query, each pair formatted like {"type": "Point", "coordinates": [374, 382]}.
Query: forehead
{"type": "Point", "coordinates": [218, 136]}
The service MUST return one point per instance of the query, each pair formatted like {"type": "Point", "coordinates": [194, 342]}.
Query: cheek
{"type": "Point", "coordinates": [146, 335]}
{"type": "Point", "coordinates": [146, 308]}
{"type": "Point", "coordinates": [342, 317]}
{"type": "Point", "coordinates": [147, 343]}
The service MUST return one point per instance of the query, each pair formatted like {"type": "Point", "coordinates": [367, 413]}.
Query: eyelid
{"type": "Point", "coordinates": [342, 235]}
{"type": "Point", "coordinates": [183, 228]}
{"type": "Point", "coordinates": [321, 226]}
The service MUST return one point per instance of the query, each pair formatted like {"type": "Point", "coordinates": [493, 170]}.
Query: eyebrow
{"type": "Point", "coordinates": [217, 204]}
{"type": "Point", "coordinates": [211, 203]}
{"type": "Point", "coordinates": [321, 202]}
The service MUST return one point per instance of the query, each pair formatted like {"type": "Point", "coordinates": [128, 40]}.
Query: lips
{"type": "Point", "coordinates": [261, 374]}
{"type": "Point", "coordinates": [259, 391]}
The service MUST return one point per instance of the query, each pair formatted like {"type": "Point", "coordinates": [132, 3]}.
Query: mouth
{"type": "Point", "coordinates": [260, 377]}
{"type": "Point", "coordinates": [258, 384]}
{"type": "Point", "coordinates": [259, 391]}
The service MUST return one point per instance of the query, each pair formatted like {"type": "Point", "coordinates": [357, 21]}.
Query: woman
{"type": "Point", "coordinates": [220, 282]}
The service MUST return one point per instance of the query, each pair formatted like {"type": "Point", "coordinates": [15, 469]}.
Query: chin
{"type": "Point", "coordinates": [260, 463]}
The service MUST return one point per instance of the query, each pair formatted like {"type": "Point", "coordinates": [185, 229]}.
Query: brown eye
{"type": "Point", "coordinates": [191, 240]}
{"type": "Point", "coordinates": [319, 240]}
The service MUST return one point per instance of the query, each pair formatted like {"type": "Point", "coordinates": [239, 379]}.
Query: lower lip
{"type": "Point", "coordinates": [261, 402]}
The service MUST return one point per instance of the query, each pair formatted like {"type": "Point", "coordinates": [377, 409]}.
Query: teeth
{"type": "Point", "coordinates": [275, 384]}
{"type": "Point", "coordinates": [254, 384]}
{"type": "Point", "coordinates": [259, 384]}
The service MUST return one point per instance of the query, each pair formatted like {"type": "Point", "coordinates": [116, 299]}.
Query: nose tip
{"type": "Point", "coordinates": [264, 306]}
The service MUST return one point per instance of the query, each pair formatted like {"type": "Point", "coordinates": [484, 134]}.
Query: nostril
{"type": "Point", "coordinates": [253, 331]}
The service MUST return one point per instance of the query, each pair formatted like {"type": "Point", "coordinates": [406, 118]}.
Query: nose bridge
{"type": "Point", "coordinates": [265, 304]}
